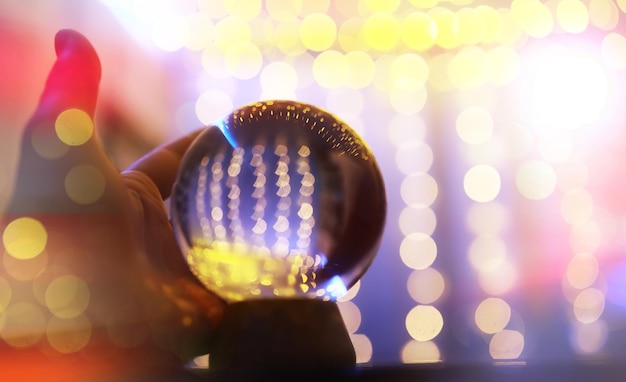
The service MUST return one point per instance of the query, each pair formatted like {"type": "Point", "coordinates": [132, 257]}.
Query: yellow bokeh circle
{"type": "Point", "coordinates": [67, 296]}
{"type": "Point", "coordinates": [24, 238]}
{"type": "Point", "coordinates": [331, 69]}
{"type": "Point", "coordinates": [318, 32]}
{"type": "Point", "coordinates": [381, 31]}
{"type": "Point", "coordinates": [85, 184]}
{"type": "Point", "coordinates": [74, 127]}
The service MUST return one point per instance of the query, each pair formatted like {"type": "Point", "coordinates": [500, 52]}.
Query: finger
{"type": "Point", "coordinates": [62, 168]}
{"type": "Point", "coordinates": [161, 164]}
{"type": "Point", "coordinates": [73, 80]}
{"type": "Point", "coordinates": [163, 251]}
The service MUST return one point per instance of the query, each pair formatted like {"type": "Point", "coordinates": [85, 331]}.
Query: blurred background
{"type": "Point", "coordinates": [499, 128]}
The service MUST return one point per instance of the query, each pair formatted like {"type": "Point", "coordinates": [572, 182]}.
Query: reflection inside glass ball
{"type": "Point", "coordinates": [279, 199]}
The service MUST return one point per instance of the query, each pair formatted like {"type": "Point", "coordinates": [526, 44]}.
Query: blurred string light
{"type": "Point", "coordinates": [488, 253]}
{"type": "Point", "coordinates": [399, 56]}
{"type": "Point", "coordinates": [426, 285]}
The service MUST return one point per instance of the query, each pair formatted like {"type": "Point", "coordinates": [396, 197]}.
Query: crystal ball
{"type": "Point", "coordinates": [278, 199]}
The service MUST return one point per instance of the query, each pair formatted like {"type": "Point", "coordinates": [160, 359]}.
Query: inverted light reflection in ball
{"type": "Point", "coordinates": [279, 199]}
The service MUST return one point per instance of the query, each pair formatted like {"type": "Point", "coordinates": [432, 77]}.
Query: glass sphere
{"type": "Point", "coordinates": [278, 199]}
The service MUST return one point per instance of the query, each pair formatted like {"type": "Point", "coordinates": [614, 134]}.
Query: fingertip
{"type": "Point", "coordinates": [73, 80]}
{"type": "Point", "coordinates": [74, 47]}
{"type": "Point", "coordinates": [67, 41]}
{"type": "Point", "coordinates": [62, 40]}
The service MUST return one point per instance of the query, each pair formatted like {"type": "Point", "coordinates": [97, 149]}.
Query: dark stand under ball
{"type": "Point", "coordinates": [302, 335]}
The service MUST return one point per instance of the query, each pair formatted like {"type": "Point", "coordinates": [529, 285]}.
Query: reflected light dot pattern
{"type": "Point", "coordinates": [250, 210]}
{"type": "Point", "coordinates": [404, 56]}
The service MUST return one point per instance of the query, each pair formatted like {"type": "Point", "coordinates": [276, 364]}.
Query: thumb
{"type": "Point", "coordinates": [73, 80]}
{"type": "Point", "coordinates": [62, 169]}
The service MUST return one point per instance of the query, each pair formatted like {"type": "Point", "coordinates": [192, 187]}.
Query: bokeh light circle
{"type": "Point", "coordinates": [492, 315]}
{"type": "Point", "coordinates": [506, 345]}
{"type": "Point", "coordinates": [482, 183]}
{"type": "Point", "coordinates": [381, 31]}
{"type": "Point", "coordinates": [24, 238]}
{"type": "Point", "coordinates": [418, 250]}
{"type": "Point", "coordinates": [419, 189]}
{"type": "Point", "coordinates": [535, 179]}
{"type": "Point", "coordinates": [331, 69]}
{"type": "Point", "coordinates": [318, 32]}
{"type": "Point", "coordinates": [426, 286]}
{"type": "Point", "coordinates": [424, 322]}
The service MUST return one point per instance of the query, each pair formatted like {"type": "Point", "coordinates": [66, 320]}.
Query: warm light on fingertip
{"type": "Point", "coordinates": [74, 127]}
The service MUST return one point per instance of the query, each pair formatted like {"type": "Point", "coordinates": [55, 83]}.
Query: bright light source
{"type": "Point", "coordinates": [569, 90]}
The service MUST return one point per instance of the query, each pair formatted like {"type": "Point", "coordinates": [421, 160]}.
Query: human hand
{"type": "Point", "coordinates": [93, 280]}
